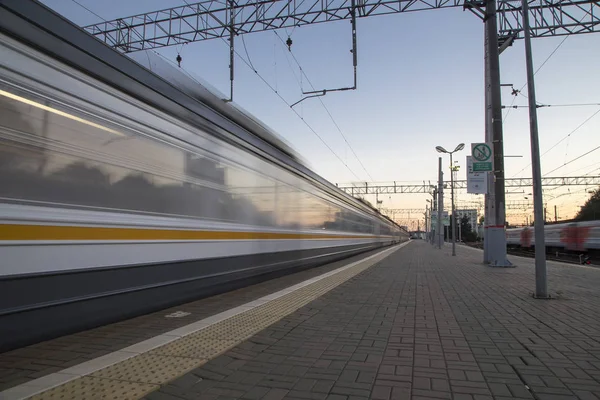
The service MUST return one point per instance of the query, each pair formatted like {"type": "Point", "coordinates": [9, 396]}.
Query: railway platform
{"type": "Point", "coordinates": [409, 322]}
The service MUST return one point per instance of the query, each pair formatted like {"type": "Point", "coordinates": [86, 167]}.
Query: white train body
{"type": "Point", "coordinates": [122, 192]}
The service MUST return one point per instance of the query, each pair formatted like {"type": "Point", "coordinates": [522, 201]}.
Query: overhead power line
{"type": "Point", "coordinates": [555, 105]}
{"type": "Point", "coordinates": [85, 8]}
{"type": "Point", "coordinates": [325, 107]}
{"type": "Point", "coordinates": [562, 140]}
{"type": "Point", "coordinates": [295, 112]}
{"type": "Point", "coordinates": [573, 160]}
{"type": "Point", "coordinates": [249, 64]}
{"type": "Point", "coordinates": [520, 91]}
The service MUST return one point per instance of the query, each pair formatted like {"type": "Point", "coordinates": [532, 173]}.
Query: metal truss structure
{"type": "Point", "coordinates": [522, 205]}
{"type": "Point", "coordinates": [549, 18]}
{"type": "Point", "coordinates": [211, 19]}
{"type": "Point", "coordinates": [366, 188]}
{"type": "Point", "coordinates": [418, 212]}
{"type": "Point", "coordinates": [402, 211]}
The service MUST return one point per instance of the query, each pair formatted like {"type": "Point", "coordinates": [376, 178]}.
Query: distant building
{"type": "Point", "coordinates": [471, 214]}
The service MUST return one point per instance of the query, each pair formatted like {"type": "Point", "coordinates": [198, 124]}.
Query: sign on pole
{"type": "Point", "coordinates": [483, 157]}
{"type": "Point", "coordinates": [445, 219]}
{"type": "Point", "coordinates": [476, 181]}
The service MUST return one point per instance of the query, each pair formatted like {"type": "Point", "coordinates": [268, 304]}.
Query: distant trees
{"type": "Point", "coordinates": [466, 232]}
{"type": "Point", "coordinates": [591, 209]}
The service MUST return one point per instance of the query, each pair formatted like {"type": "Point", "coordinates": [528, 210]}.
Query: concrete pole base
{"type": "Point", "coordinates": [496, 238]}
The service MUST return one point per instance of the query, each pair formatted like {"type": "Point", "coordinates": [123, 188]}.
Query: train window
{"type": "Point", "coordinates": [53, 154]}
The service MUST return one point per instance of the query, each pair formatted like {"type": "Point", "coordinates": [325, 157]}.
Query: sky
{"type": "Point", "coordinates": [420, 84]}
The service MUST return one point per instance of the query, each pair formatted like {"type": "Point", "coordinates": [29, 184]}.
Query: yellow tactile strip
{"type": "Point", "coordinates": [139, 375]}
{"type": "Point", "coordinates": [89, 387]}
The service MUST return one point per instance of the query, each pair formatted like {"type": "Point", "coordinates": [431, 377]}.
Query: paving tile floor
{"type": "Point", "coordinates": [31, 362]}
{"type": "Point", "coordinates": [422, 325]}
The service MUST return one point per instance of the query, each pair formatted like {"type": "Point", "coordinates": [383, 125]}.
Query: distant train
{"type": "Point", "coordinates": [571, 237]}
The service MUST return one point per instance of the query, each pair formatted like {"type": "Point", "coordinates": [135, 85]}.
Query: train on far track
{"type": "Point", "coordinates": [127, 187]}
{"type": "Point", "coordinates": [577, 238]}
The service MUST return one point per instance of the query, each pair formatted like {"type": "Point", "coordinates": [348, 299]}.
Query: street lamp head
{"type": "Point", "coordinates": [440, 149]}
{"type": "Point", "coordinates": [459, 147]}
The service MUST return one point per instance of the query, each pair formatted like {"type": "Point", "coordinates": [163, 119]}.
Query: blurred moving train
{"type": "Point", "coordinates": [572, 237]}
{"type": "Point", "coordinates": [123, 191]}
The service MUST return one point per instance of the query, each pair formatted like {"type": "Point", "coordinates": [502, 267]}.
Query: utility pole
{"type": "Point", "coordinates": [434, 229]}
{"type": "Point", "coordinates": [541, 282]}
{"type": "Point", "coordinates": [495, 218]}
{"type": "Point", "coordinates": [555, 215]}
{"type": "Point", "coordinates": [488, 139]}
{"type": "Point", "coordinates": [440, 204]}
{"type": "Point", "coordinates": [453, 224]}
{"type": "Point", "coordinates": [426, 226]}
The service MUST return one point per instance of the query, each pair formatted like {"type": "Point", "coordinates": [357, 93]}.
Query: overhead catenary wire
{"type": "Point", "coordinates": [249, 64]}
{"type": "Point", "coordinates": [540, 105]}
{"type": "Point", "coordinates": [293, 110]}
{"type": "Point", "coordinates": [573, 160]}
{"type": "Point", "coordinates": [563, 139]}
{"type": "Point", "coordinates": [85, 8]}
{"type": "Point", "coordinates": [586, 167]}
{"type": "Point", "coordinates": [509, 109]}
{"type": "Point", "coordinates": [326, 109]}
{"type": "Point", "coordinates": [519, 92]}
{"type": "Point", "coordinates": [296, 77]}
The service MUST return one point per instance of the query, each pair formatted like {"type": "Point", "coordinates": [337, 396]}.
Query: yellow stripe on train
{"type": "Point", "coordinates": [59, 232]}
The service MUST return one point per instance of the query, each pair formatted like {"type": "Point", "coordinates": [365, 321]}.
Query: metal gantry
{"type": "Point", "coordinates": [521, 205]}
{"type": "Point", "coordinates": [549, 18]}
{"type": "Point", "coordinates": [393, 188]}
{"type": "Point", "coordinates": [403, 211]}
{"type": "Point", "coordinates": [510, 205]}
{"type": "Point", "coordinates": [197, 21]}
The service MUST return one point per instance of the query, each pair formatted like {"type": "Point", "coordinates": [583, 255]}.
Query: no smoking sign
{"type": "Point", "coordinates": [483, 156]}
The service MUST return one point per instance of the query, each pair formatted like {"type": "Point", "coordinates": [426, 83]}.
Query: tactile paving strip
{"type": "Point", "coordinates": [92, 388]}
{"type": "Point", "coordinates": [149, 368]}
{"type": "Point", "coordinates": [139, 375]}
{"type": "Point", "coordinates": [196, 347]}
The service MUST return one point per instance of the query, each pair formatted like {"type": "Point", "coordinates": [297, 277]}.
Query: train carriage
{"type": "Point", "coordinates": [122, 191]}
{"type": "Point", "coordinates": [574, 237]}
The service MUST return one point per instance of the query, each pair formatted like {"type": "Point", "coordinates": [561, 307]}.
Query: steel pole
{"type": "Point", "coordinates": [434, 231]}
{"type": "Point", "coordinates": [453, 214]}
{"type": "Point", "coordinates": [426, 228]}
{"type": "Point", "coordinates": [440, 203]}
{"type": "Point", "coordinates": [488, 139]}
{"type": "Point", "coordinates": [496, 233]}
{"type": "Point", "coordinates": [541, 284]}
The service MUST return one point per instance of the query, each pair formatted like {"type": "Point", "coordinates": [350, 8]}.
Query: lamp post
{"type": "Point", "coordinates": [440, 149]}
{"type": "Point", "coordinates": [428, 220]}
